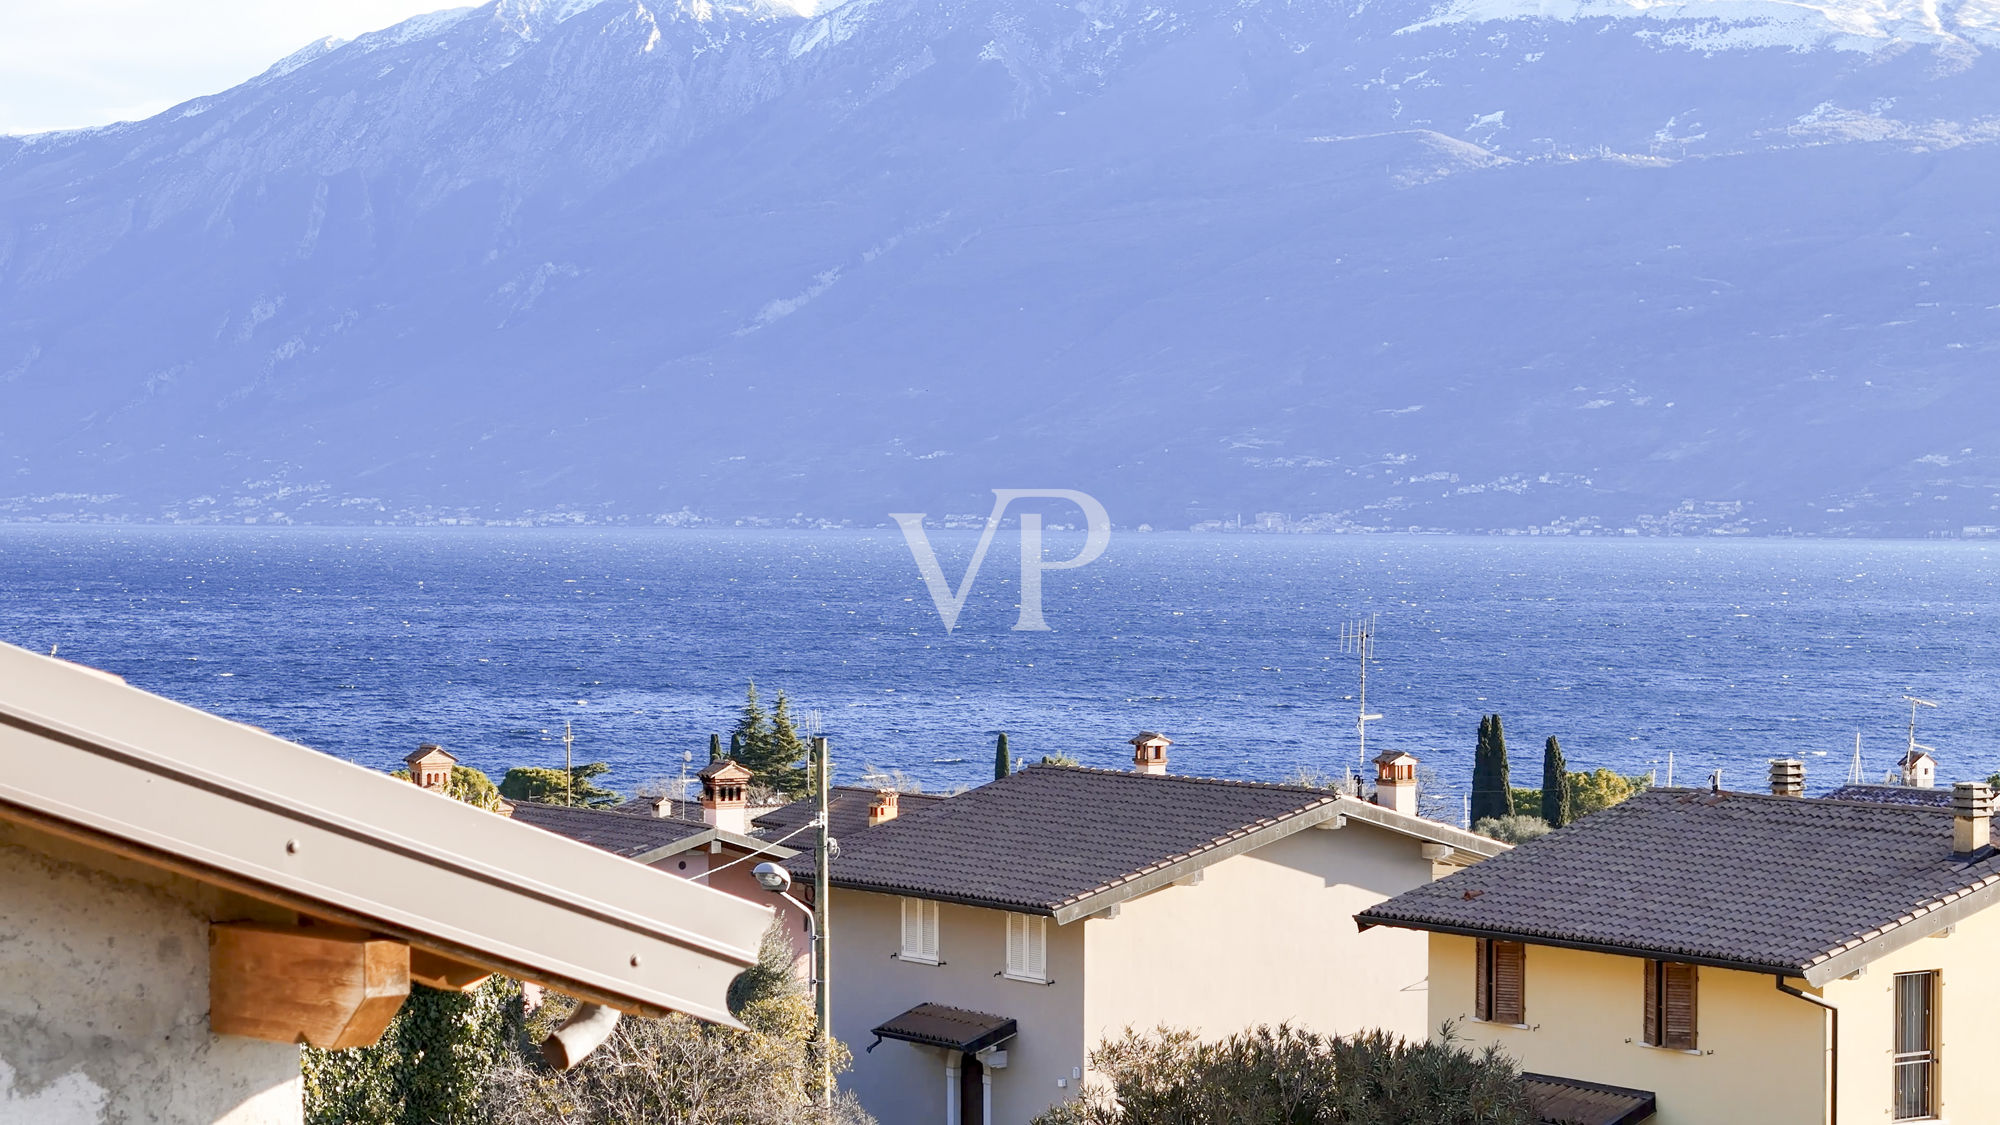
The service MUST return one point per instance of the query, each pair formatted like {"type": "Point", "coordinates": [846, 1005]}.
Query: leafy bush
{"type": "Point", "coordinates": [1600, 789]}
{"type": "Point", "coordinates": [678, 1071]}
{"type": "Point", "coordinates": [551, 786]}
{"type": "Point", "coordinates": [1287, 1076]}
{"type": "Point", "coordinates": [429, 1068]}
{"type": "Point", "coordinates": [1516, 829]}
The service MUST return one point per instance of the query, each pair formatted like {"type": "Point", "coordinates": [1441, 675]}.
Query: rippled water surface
{"type": "Point", "coordinates": [364, 643]}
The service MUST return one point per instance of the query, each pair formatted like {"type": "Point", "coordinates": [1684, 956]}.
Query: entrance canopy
{"type": "Point", "coordinates": [956, 1029]}
{"type": "Point", "coordinates": [1568, 1101]}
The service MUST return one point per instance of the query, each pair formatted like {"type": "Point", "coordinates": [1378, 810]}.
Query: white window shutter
{"type": "Point", "coordinates": [1017, 945]}
{"type": "Point", "coordinates": [1038, 947]}
{"type": "Point", "coordinates": [913, 927]}
{"type": "Point", "coordinates": [930, 930]}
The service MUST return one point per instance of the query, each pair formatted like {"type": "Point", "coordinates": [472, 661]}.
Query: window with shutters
{"type": "Point", "coordinates": [1502, 981]}
{"type": "Point", "coordinates": [1671, 992]}
{"type": "Point", "coordinates": [1027, 948]}
{"type": "Point", "coordinates": [1916, 1046]}
{"type": "Point", "coordinates": [920, 931]}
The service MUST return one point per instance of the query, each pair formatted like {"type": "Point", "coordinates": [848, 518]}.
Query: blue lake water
{"type": "Point", "coordinates": [365, 643]}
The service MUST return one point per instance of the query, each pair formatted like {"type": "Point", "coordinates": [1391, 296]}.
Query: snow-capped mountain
{"type": "Point", "coordinates": [1476, 263]}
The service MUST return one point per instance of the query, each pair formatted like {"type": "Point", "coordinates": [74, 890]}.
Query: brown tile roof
{"type": "Point", "coordinates": [1047, 836]}
{"type": "Point", "coordinates": [620, 833]}
{"type": "Point", "coordinates": [1740, 880]}
{"type": "Point", "coordinates": [847, 807]}
{"type": "Point", "coordinates": [1568, 1101]}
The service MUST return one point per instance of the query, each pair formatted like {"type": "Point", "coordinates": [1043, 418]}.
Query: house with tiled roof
{"type": "Point", "coordinates": [982, 946]}
{"type": "Point", "coordinates": [1723, 956]}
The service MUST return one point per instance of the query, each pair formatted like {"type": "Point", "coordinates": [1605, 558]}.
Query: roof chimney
{"type": "Point", "coordinates": [430, 767]}
{"type": "Point", "coordinates": [725, 800]}
{"type": "Point", "coordinates": [1149, 752]}
{"type": "Point", "coordinates": [1788, 777]}
{"type": "Point", "coordinates": [1971, 817]}
{"type": "Point", "coordinates": [663, 806]}
{"type": "Point", "coordinates": [1396, 781]}
{"type": "Point", "coordinates": [883, 808]}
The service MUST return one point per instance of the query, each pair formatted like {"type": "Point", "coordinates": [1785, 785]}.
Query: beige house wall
{"type": "Point", "coordinates": [1969, 1039]}
{"type": "Point", "coordinates": [1267, 937]}
{"type": "Point", "coordinates": [904, 1084]}
{"type": "Point", "coordinates": [104, 1017]}
{"type": "Point", "coordinates": [1761, 1054]}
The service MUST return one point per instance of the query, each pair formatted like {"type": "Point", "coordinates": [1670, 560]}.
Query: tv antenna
{"type": "Point", "coordinates": [569, 773]}
{"type": "Point", "coordinates": [1358, 637]}
{"type": "Point", "coordinates": [1915, 746]}
{"type": "Point", "coordinates": [1854, 771]}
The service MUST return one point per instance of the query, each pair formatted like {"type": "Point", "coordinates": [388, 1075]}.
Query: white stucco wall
{"type": "Point", "coordinates": [903, 1084]}
{"type": "Point", "coordinates": [104, 1005]}
{"type": "Point", "coordinates": [1267, 937]}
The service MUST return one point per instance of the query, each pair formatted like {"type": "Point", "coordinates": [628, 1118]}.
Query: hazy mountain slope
{"type": "Point", "coordinates": [1420, 266]}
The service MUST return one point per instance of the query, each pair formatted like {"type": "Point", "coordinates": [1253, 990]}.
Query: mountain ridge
{"type": "Point", "coordinates": [1304, 258]}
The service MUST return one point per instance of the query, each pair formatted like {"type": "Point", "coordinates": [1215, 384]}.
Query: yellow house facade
{"type": "Point", "coordinates": [1712, 957]}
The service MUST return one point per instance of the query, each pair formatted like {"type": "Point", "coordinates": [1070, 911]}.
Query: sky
{"type": "Point", "coordinates": [65, 64]}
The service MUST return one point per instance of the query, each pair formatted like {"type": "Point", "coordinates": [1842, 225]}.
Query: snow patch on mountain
{"type": "Point", "coordinates": [1724, 25]}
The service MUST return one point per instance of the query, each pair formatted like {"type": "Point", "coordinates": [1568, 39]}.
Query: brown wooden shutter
{"type": "Point", "coordinates": [1482, 1005]}
{"type": "Point", "coordinates": [1509, 970]}
{"type": "Point", "coordinates": [1652, 1003]}
{"type": "Point", "coordinates": [1678, 1009]}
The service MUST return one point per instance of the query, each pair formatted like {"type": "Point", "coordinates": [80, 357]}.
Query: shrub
{"type": "Point", "coordinates": [1287, 1076]}
{"type": "Point", "coordinates": [1516, 829]}
{"type": "Point", "coordinates": [678, 1071]}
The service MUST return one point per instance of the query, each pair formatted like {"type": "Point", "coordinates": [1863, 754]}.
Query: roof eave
{"type": "Point", "coordinates": [1882, 942]}
{"type": "Point", "coordinates": [137, 775]}
{"type": "Point", "coordinates": [713, 835]}
{"type": "Point", "coordinates": [1363, 921]}
{"type": "Point", "coordinates": [1420, 828]}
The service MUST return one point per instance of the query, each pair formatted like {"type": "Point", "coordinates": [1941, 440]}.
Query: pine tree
{"type": "Point", "coordinates": [1003, 763]}
{"type": "Point", "coordinates": [771, 747]}
{"type": "Point", "coordinates": [1557, 802]}
{"type": "Point", "coordinates": [753, 728]}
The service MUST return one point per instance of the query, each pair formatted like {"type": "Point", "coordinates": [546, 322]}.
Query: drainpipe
{"type": "Point", "coordinates": [584, 1031]}
{"type": "Point", "coordinates": [1833, 1063]}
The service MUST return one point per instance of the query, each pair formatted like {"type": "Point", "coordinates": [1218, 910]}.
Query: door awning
{"type": "Point", "coordinates": [1570, 1101]}
{"type": "Point", "coordinates": [935, 1025]}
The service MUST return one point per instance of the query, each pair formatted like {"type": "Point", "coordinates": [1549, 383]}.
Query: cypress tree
{"type": "Point", "coordinates": [735, 744]}
{"type": "Point", "coordinates": [1482, 763]}
{"type": "Point", "coordinates": [714, 747]}
{"type": "Point", "coordinates": [1492, 791]}
{"type": "Point", "coordinates": [1003, 763]}
{"type": "Point", "coordinates": [1556, 799]}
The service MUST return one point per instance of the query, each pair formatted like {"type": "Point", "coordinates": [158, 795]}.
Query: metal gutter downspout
{"type": "Point", "coordinates": [1833, 1062]}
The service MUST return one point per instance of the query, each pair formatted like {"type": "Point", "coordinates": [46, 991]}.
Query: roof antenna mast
{"type": "Point", "coordinates": [1358, 637]}
{"type": "Point", "coordinates": [569, 772]}
{"type": "Point", "coordinates": [1915, 746]}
